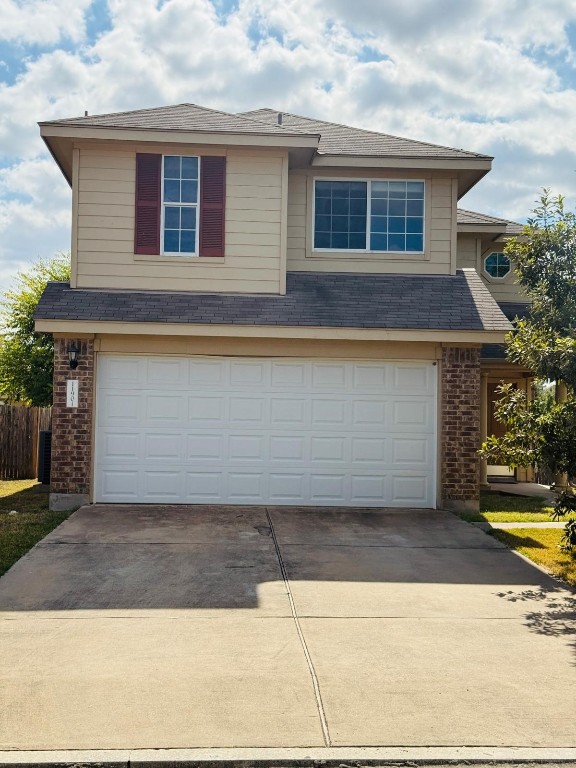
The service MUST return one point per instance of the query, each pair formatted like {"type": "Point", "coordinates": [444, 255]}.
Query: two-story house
{"type": "Point", "coordinates": [270, 309]}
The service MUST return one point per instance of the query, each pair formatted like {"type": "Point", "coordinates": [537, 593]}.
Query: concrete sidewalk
{"type": "Point", "coordinates": [171, 628]}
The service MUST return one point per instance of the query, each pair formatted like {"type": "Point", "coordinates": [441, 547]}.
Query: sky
{"type": "Point", "coordinates": [490, 76]}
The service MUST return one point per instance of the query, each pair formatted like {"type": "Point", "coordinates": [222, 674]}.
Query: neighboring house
{"type": "Point", "coordinates": [272, 310]}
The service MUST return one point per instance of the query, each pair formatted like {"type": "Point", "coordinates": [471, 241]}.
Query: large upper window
{"type": "Point", "coordinates": [179, 204]}
{"type": "Point", "coordinates": [369, 215]}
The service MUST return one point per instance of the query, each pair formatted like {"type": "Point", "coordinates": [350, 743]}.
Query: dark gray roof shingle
{"type": "Point", "coordinates": [482, 219]}
{"type": "Point", "coordinates": [339, 139]}
{"type": "Point", "coordinates": [437, 302]}
{"type": "Point", "coordinates": [180, 117]}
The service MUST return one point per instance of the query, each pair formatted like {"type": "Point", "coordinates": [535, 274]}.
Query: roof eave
{"type": "Point", "coordinates": [270, 331]}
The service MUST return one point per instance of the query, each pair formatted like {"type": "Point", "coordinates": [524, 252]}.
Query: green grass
{"type": "Point", "coordinates": [18, 533]}
{"type": "Point", "coordinates": [496, 507]}
{"type": "Point", "coordinates": [541, 546]}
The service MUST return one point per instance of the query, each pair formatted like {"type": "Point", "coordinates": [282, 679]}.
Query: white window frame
{"type": "Point", "coordinates": [367, 181]}
{"type": "Point", "coordinates": [180, 254]}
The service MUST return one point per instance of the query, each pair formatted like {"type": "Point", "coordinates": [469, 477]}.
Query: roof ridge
{"type": "Point", "coordinates": [377, 133]}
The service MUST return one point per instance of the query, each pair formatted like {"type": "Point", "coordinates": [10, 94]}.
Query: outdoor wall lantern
{"type": "Point", "coordinates": [73, 356]}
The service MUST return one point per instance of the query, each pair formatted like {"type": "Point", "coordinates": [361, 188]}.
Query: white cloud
{"type": "Point", "coordinates": [43, 22]}
{"type": "Point", "coordinates": [35, 212]}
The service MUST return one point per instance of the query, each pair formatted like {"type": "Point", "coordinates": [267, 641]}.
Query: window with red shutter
{"type": "Point", "coordinates": [212, 204]}
{"type": "Point", "coordinates": [166, 205]}
{"type": "Point", "coordinates": [148, 199]}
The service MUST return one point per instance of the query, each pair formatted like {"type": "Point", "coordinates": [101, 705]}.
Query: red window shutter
{"type": "Point", "coordinates": [148, 198]}
{"type": "Point", "coordinates": [212, 204]}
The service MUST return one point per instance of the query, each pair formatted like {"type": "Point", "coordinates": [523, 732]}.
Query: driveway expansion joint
{"type": "Point", "coordinates": [309, 662]}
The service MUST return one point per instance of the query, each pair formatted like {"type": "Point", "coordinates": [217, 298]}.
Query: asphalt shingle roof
{"type": "Point", "coordinates": [335, 139]}
{"type": "Point", "coordinates": [437, 302]}
{"type": "Point", "coordinates": [339, 139]}
{"type": "Point", "coordinates": [482, 219]}
{"type": "Point", "coordinates": [180, 117]}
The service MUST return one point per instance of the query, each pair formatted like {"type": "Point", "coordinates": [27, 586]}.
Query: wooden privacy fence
{"type": "Point", "coordinates": [19, 430]}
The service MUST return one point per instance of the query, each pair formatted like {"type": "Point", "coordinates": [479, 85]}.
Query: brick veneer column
{"type": "Point", "coordinates": [70, 474]}
{"type": "Point", "coordinates": [460, 419]}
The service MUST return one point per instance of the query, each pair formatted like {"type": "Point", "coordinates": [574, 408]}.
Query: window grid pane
{"type": "Point", "coordinates": [394, 211]}
{"type": "Point", "coordinates": [180, 191]}
{"type": "Point", "coordinates": [340, 215]}
{"type": "Point", "coordinates": [397, 216]}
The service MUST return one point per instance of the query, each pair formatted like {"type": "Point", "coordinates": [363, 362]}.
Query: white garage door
{"type": "Point", "coordinates": [255, 431]}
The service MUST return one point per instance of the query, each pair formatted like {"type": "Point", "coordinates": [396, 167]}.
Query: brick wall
{"type": "Point", "coordinates": [460, 419]}
{"type": "Point", "coordinates": [72, 427]}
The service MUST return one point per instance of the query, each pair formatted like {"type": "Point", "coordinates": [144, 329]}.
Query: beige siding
{"type": "Point", "coordinates": [318, 348]}
{"type": "Point", "coordinates": [440, 213]}
{"type": "Point", "coordinates": [105, 226]}
{"type": "Point", "coordinates": [467, 252]}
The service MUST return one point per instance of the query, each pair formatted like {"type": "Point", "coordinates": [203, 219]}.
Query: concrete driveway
{"type": "Point", "coordinates": [174, 627]}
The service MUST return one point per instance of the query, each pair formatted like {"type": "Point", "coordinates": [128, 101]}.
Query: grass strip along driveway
{"type": "Point", "coordinates": [32, 521]}
{"type": "Point", "coordinates": [541, 545]}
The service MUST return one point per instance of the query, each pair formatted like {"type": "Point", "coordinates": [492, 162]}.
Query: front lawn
{"type": "Point", "coordinates": [541, 546]}
{"type": "Point", "coordinates": [18, 533]}
{"type": "Point", "coordinates": [496, 507]}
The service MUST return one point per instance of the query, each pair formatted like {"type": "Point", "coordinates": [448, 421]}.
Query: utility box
{"type": "Point", "coordinates": [44, 456]}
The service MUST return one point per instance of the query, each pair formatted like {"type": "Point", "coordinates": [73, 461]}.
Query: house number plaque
{"type": "Point", "coordinates": [72, 393]}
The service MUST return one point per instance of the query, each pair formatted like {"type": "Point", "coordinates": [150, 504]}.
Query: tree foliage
{"type": "Point", "coordinates": [541, 433]}
{"type": "Point", "coordinates": [26, 357]}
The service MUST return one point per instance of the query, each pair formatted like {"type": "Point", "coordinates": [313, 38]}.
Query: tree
{"type": "Point", "coordinates": [26, 357]}
{"type": "Point", "coordinates": [545, 343]}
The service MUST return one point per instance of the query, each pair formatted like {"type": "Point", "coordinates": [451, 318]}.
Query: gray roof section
{"type": "Point", "coordinates": [180, 117]}
{"type": "Point", "coordinates": [482, 219]}
{"type": "Point", "coordinates": [493, 352]}
{"type": "Point", "coordinates": [438, 302]}
{"type": "Point", "coordinates": [339, 139]}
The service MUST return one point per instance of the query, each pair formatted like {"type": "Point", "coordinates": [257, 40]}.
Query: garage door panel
{"type": "Point", "coordinates": [410, 489]}
{"type": "Point", "coordinates": [119, 409]}
{"type": "Point", "coordinates": [414, 379]}
{"type": "Point", "coordinates": [368, 449]}
{"type": "Point", "coordinates": [166, 373]}
{"type": "Point", "coordinates": [163, 485]}
{"type": "Point", "coordinates": [368, 377]}
{"type": "Point", "coordinates": [248, 411]}
{"type": "Point", "coordinates": [204, 446]}
{"type": "Point", "coordinates": [412, 415]}
{"type": "Point", "coordinates": [224, 430]}
{"type": "Point", "coordinates": [211, 372]}
{"type": "Point", "coordinates": [205, 410]}
{"type": "Point", "coordinates": [366, 489]}
{"type": "Point", "coordinates": [122, 371]}
{"type": "Point", "coordinates": [163, 446]}
{"type": "Point", "coordinates": [121, 446]}
{"type": "Point", "coordinates": [411, 451]}
{"type": "Point", "coordinates": [329, 376]}
{"type": "Point", "coordinates": [204, 486]}
{"type": "Point", "coordinates": [119, 484]}
{"type": "Point", "coordinates": [289, 412]}
{"type": "Point", "coordinates": [288, 376]}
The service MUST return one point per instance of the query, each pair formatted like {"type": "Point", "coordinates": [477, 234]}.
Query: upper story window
{"type": "Point", "coordinates": [371, 215]}
{"type": "Point", "coordinates": [180, 204]}
{"type": "Point", "coordinates": [497, 264]}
